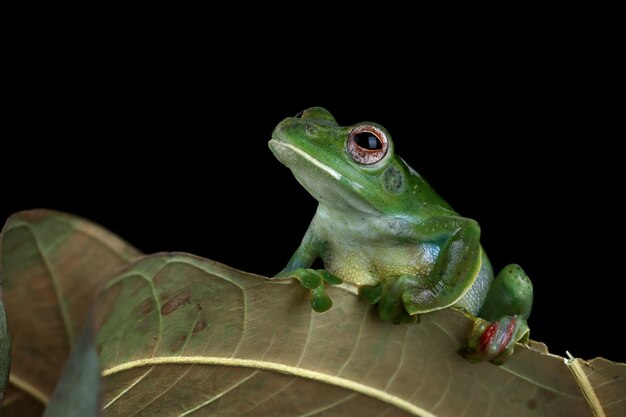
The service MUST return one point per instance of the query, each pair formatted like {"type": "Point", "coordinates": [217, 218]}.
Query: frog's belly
{"type": "Point", "coordinates": [370, 265]}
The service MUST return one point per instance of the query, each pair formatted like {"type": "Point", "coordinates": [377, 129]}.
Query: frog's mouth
{"type": "Point", "coordinates": [327, 185]}
{"type": "Point", "coordinates": [276, 145]}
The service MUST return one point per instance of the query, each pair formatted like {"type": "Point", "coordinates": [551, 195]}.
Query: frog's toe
{"type": "Point", "coordinates": [393, 311]}
{"type": "Point", "coordinates": [371, 293]}
{"type": "Point", "coordinates": [320, 301]}
{"type": "Point", "coordinates": [389, 309]}
{"type": "Point", "coordinates": [391, 306]}
{"type": "Point", "coordinates": [314, 280]}
{"type": "Point", "coordinates": [495, 341]}
{"type": "Point", "coordinates": [329, 278]}
{"type": "Point", "coordinates": [308, 278]}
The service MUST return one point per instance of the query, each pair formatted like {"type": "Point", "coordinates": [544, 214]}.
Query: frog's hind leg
{"type": "Point", "coordinates": [502, 319]}
{"type": "Point", "coordinates": [388, 296]}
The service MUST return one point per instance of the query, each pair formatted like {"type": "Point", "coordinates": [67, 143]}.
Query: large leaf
{"type": "Point", "coordinates": [180, 335]}
{"type": "Point", "coordinates": [52, 266]}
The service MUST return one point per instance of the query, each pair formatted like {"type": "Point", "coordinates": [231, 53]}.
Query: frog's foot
{"type": "Point", "coordinates": [314, 280]}
{"type": "Point", "coordinates": [494, 341]}
{"type": "Point", "coordinates": [504, 315]}
{"type": "Point", "coordinates": [388, 296]}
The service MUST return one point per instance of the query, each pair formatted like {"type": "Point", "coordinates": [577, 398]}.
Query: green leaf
{"type": "Point", "coordinates": [78, 392]}
{"type": "Point", "coordinates": [181, 335]}
{"type": "Point", "coordinates": [52, 266]}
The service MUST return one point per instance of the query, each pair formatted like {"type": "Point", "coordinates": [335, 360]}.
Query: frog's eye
{"type": "Point", "coordinates": [367, 144]}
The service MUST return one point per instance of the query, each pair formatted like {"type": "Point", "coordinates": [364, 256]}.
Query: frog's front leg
{"type": "Point", "coordinates": [298, 268]}
{"type": "Point", "coordinates": [502, 319]}
{"type": "Point", "coordinates": [452, 275]}
{"type": "Point", "coordinates": [456, 266]}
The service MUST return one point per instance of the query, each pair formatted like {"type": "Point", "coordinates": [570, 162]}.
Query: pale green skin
{"type": "Point", "coordinates": [382, 228]}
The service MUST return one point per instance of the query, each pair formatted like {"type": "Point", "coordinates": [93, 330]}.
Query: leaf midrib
{"type": "Point", "coordinates": [67, 322]}
{"type": "Point", "coordinates": [275, 367]}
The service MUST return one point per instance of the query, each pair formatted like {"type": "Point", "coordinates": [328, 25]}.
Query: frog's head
{"type": "Point", "coordinates": [351, 167]}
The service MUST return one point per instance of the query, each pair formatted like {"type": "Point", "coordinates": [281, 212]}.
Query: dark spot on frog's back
{"type": "Point", "coordinates": [175, 302]}
{"type": "Point", "coordinates": [392, 180]}
{"type": "Point", "coordinates": [532, 404]}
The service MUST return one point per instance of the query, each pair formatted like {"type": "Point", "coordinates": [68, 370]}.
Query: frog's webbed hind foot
{"type": "Point", "coordinates": [314, 280]}
{"type": "Point", "coordinates": [494, 341]}
{"type": "Point", "coordinates": [388, 296]}
{"type": "Point", "coordinates": [504, 316]}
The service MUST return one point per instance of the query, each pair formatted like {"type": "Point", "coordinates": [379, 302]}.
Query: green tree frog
{"type": "Point", "coordinates": [380, 227]}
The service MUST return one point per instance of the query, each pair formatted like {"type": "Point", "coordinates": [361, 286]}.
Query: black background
{"type": "Point", "coordinates": [170, 152]}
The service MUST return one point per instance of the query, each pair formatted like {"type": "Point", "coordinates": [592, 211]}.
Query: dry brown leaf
{"type": "Point", "coordinates": [181, 335]}
{"type": "Point", "coordinates": [52, 266]}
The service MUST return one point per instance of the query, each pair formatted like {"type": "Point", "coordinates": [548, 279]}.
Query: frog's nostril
{"type": "Point", "coordinates": [299, 114]}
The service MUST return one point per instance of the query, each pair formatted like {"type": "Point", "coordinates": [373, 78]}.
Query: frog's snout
{"type": "Point", "coordinates": [286, 125]}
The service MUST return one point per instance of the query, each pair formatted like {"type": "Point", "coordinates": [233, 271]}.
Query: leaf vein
{"type": "Point", "coordinates": [57, 288]}
{"type": "Point", "coordinates": [274, 394]}
{"type": "Point", "coordinates": [220, 395]}
{"type": "Point", "coordinates": [172, 385]}
{"type": "Point", "coordinates": [399, 366]}
{"type": "Point", "coordinates": [445, 392]}
{"type": "Point", "coordinates": [128, 388]}
{"type": "Point", "coordinates": [308, 336]}
{"type": "Point", "coordinates": [329, 406]}
{"type": "Point", "coordinates": [354, 346]}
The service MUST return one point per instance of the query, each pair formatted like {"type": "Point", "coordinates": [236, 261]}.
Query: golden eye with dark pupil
{"type": "Point", "coordinates": [368, 140]}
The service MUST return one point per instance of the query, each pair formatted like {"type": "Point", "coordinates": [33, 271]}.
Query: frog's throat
{"type": "Point", "coordinates": [312, 160]}
{"type": "Point", "coordinates": [355, 199]}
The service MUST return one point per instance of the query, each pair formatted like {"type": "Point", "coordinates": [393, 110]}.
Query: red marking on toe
{"type": "Point", "coordinates": [508, 334]}
{"type": "Point", "coordinates": [487, 335]}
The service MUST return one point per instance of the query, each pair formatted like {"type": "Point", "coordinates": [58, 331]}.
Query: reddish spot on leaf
{"type": "Point", "coordinates": [548, 395]}
{"type": "Point", "coordinates": [175, 302]}
{"type": "Point", "coordinates": [145, 307]}
{"type": "Point", "coordinates": [178, 343]}
{"type": "Point", "coordinates": [201, 325]}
